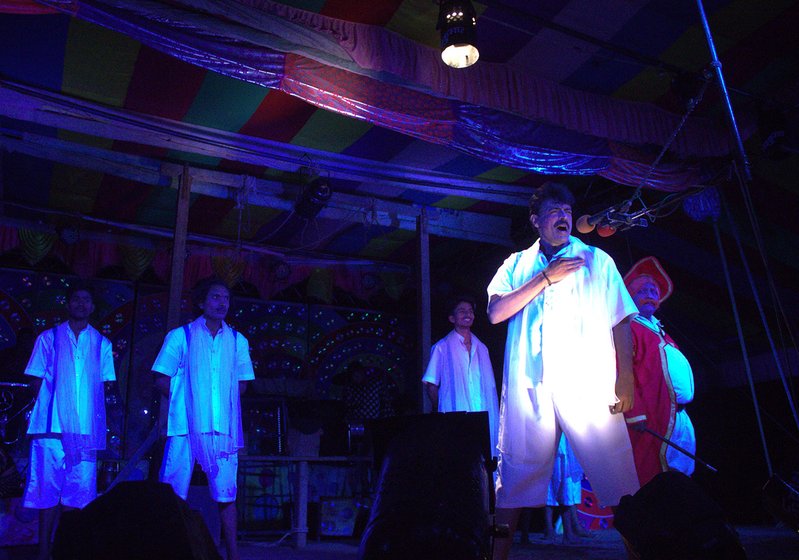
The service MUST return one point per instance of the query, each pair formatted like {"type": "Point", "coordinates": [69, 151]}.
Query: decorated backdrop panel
{"type": "Point", "coordinates": [382, 342]}
{"type": "Point", "coordinates": [297, 349]}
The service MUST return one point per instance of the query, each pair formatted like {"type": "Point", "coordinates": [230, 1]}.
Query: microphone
{"type": "Point", "coordinates": [610, 221]}
{"type": "Point", "coordinates": [587, 223]}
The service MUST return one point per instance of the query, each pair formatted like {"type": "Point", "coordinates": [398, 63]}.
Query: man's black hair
{"type": "Point", "coordinates": [202, 287]}
{"type": "Point", "coordinates": [456, 300]}
{"type": "Point", "coordinates": [550, 191]}
{"type": "Point", "coordinates": [79, 286]}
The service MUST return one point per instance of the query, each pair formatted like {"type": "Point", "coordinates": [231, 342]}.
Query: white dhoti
{"type": "Point", "coordinates": [599, 440]}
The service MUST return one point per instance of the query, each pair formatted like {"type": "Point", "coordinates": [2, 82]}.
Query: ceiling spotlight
{"type": "Point", "coordinates": [313, 198]}
{"type": "Point", "coordinates": [458, 22]}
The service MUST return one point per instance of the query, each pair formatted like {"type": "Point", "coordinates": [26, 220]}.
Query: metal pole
{"type": "Point", "coordinates": [744, 351]}
{"type": "Point", "coordinates": [682, 450]}
{"type": "Point", "coordinates": [715, 64]}
{"type": "Point", "coordinates": [302, 504]}
{"type": "Point", "coordinates": [772, 346]}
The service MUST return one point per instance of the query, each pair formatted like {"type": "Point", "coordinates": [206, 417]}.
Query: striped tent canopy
{"type": "Point", "coordinates": [268, 106]}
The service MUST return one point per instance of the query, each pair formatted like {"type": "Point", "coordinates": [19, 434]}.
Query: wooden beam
{"type": "Point", "coordinates": [34, 105]}
{"type": "Point", "coordinates": [423, 289]}
{"type": "Point", "coordinates": [369, 210]}
{"type": "Point", "coordinates": [179, 250]}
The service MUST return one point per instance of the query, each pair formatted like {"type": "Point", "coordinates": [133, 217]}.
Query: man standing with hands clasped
{"type": "Point", "coordinates": [70, 363]}
{"type": "Point", "coordinates": [569, 325]}
{"type": "Point", "coordinates": [204, 366]}
{"type": "Point", "coordinates": [459, 376]}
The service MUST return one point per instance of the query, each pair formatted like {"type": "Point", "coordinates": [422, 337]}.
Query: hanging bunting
{"type": "Point", "coordinates": [135, 260]}
{"type": "Point", "coordinates": [35, 244]}
{"type": "Point", "coordinates": [229, 269]}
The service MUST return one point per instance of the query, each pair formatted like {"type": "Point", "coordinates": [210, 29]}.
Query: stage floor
{"type": "Point", "coordinates": [761, 543]}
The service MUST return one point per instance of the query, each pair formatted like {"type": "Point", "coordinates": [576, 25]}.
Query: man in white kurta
{"type": "Point", "coordinates": [459, 376]}
{"type": "Point", "coordinates": [569, 316]}
{"type": "Point", "coordinates": [204, 366]}
{"type": "Point", "coordinates": [69, 364]}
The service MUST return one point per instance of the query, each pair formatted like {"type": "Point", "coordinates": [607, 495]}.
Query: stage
{"type": "Point", "coordinates": [761, 543]}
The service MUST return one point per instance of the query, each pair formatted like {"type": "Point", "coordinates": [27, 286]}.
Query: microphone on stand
{"type": "Point", "coordinates": [605, 230]}
{"type": "Point", "coordinates": [586, 223]}
{"type": "Point", "coordinates": [609, 221]}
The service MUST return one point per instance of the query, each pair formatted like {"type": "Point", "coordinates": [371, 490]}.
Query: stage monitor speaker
{"type": "Point", "coordinates": [435, 488]}
{"type": "Point", "coordinates": [135, 520]}
{"type": "Point", "coordinates": [671, 517]}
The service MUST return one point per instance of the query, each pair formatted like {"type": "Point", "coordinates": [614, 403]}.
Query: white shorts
{"type": "Point", "coordinates": [178, 465]}
{"type": "Point", "coordinates": [51, 482]}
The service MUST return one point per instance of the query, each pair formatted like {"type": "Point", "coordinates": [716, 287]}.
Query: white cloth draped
{"type": "Point", "coordinates": [214, 430]}
{"type": "Point", "coordinates": [204, 390]}
{"type": "Point", "coordinates": [71, 401]}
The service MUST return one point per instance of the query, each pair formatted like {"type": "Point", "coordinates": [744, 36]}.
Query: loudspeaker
{"type": "Point", "coordinates": [134, 520]}
{"type": "Point", "coordinates": [435, 488]}
{"type": "Point", "coordinates": [671, 518]}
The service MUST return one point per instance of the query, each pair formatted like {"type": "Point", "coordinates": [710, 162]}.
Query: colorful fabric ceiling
{"type": "Point", "coordinates": [492, 111]}
{"type": "Point", "coordinates": [588, 91]}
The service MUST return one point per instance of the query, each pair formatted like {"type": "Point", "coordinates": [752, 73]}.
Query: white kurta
{"type": "Point", "coordinates": [42, 364]}
{"type": "Point", "coordinates": [560, 374]}
{"type": "Point", "coordinates": [465, 379]}
{"type": "Point", "coordinates": [171, 361]}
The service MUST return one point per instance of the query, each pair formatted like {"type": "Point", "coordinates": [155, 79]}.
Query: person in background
{"type": "Point", "coordinates": [565, 494]}
{"type": "Point", "coordinates": [203, 367]}
{"type": "Point", "coordinates": [70, 364]}
{"type": "Point", "coordinates": [459, 376]}
{"type": "Point", "coordinates": [568, 363]}
{"type": "Point", "coordinates": [664, 381]}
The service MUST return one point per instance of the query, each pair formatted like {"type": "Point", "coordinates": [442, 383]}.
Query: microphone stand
{"type": "Point", "coordinates": [685, 452]}
{"type": "Point", "coordinates": [745, 179]}
{"type": "Point", "coordinates": [618, 217]}
{"type": "Point", "coordinates": [715, 64]}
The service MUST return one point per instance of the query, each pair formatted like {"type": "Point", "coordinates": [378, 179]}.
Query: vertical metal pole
{"type": "Point", "coordinates": [715, 63]}
{"type": "Point", "coordinates": [423, 237]}
{"type": "Point", "coordinates": [744, 350]}
{"type": "Point", "coordinates": [761, 311]}
{"type": "Point", "coordinates": [302, 504]}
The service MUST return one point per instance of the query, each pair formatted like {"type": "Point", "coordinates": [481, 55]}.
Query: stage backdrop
{"type": "Point", "coordinates": [298, 351]}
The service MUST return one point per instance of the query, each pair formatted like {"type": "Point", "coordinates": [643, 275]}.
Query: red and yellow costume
{"type": "Point", "coordinates": [663, 384]}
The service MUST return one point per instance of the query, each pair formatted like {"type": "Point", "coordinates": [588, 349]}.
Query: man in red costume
{"type": "Point", "coordinates": [664, 382]}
